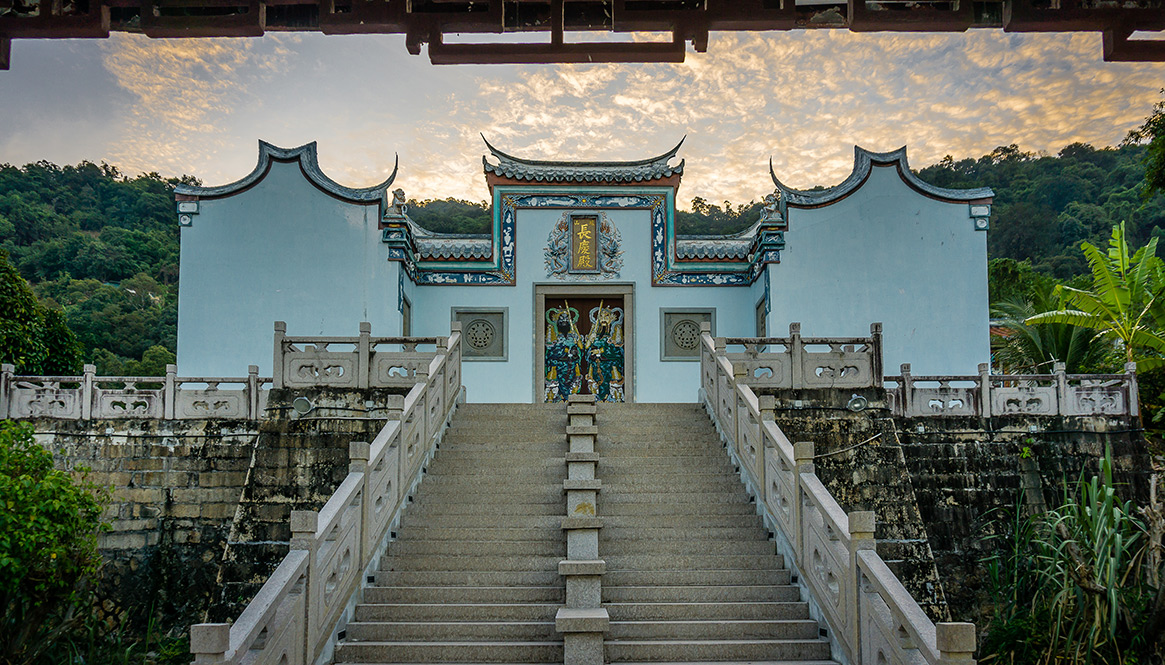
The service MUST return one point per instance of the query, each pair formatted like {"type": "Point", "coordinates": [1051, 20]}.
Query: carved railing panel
{"type": "Point", "coordinates": [808, 362]}
{"type": "Point", "coordinates": [166, 397]}
{"type": "Point", "coordinates": [872, 617]}
{"type": "Point", "coordinates": [293, 618]}
{"type": "Point", "coordinates": [987, 395]}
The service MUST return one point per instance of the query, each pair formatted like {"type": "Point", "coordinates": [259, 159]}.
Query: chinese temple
{"type": "Point", "coordinates": [583, 284]}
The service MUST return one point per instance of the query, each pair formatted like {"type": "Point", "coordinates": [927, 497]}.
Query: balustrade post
{"type": "Point", "coordinates": [252, 392]}
{"type": "Point", "coordinates": [443, 350]}
{"type": "Point", "coordinates": [861, 537]}
{"type": "Point", "coordinates": [88, 371]}
{"type": "Point", "coordinates": [985, 390]}
{"type": "Point", "coordinates": [876, 350]}
{"type": "Point", "coordinates": [955, 643]}
{"type": "Point", "coordinates": [6, 372]}
{"type": "Point", "coordinates": [802, 463]}
{"type": "Point", "coordinates": [209, 642]}
{"type": "Point", "coordinates": [277, 367]}
{"type": "Point", "coordinates": [768, 410]}
{"type": "Point", "coordinates": [303, 537]}
{"type": "Point", "coordinates": [364, 355]}
{"type": "Point", "coordinates": [169, 391]}
{"type": "Point", "coordinates": [796, 356]}
{"type": "Point", "coordinates": [907, 388]}
{"type": "Point", "coordinates": [705, 358]}
{"type": "Point", "coordinates": [1132, 391]}
{"type": "Point", "coordinates": [1059, 369]}
{"type": "Point", "coordinates": [359, 453]}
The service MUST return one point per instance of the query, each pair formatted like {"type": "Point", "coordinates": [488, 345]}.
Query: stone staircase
{"type": "Point", "coordinates": [473, 577]}
{"type": "Point", "coordinates": [691, 575]}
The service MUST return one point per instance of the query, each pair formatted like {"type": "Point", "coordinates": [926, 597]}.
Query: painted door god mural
{"type": "Point", "coordinates": [584, 349]}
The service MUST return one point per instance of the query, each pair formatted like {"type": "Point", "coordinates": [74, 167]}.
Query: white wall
{"type": "Point", "coordinates": [889, 254]}
{"type": "Point", "coordinates": [282, 250]}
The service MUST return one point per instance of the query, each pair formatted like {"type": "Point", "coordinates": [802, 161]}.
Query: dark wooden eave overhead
{"type": "Point", "coordinates": [687, 21]}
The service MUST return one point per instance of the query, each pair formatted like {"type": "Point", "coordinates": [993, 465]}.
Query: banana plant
{"type": "Point", "coordinates": [1126, 303]}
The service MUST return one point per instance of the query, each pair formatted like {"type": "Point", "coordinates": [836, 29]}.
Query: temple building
{"type": "Point", "coordinates": [583, 284]}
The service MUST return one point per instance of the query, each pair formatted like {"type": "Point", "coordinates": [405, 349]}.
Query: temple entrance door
{"type": "Point", "coordinates": [585, 347]}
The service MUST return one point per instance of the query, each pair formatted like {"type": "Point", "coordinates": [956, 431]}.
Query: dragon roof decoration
{"type": "Point", "coordinates": [534, 170]}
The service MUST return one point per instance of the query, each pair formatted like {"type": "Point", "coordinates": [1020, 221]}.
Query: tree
{"type": "Point", "coordinates": [61, 346]}
{"type": "Point", "coordinates": [1125, 304]}
{"type": "Point", "coordinates": [1034, 348]}
{"type": "Point", "coordinates": [1153, 132]}
{"type": "Point", "coordinates": [48, 546]}
{"type": "Point", "coordinates": [21, 321]}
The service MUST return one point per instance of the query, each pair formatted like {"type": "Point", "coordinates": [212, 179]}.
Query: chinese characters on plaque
{"type": "Point", "coordinates": [584, 244]}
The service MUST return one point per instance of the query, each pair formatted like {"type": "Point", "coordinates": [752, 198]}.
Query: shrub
{"type": "Point", "coordinates": [48, 546]}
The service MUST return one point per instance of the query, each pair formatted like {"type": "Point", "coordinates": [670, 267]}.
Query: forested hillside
{"type": "Point", "coordinates": [103, 247]}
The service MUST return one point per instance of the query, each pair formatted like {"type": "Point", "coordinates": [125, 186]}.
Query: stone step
{"type": "Point", "coordinates": [750, 611]}
{"type": "Point", "coordinates": [466, 578]}
{"type": "Point", "coordinates": [616, 497]}
{"type": "Point", "coordinates": [748, 532]}
{"type": "Point", "coordinates": [484, 500]}
{"type": "Point", "coordinates": [715, 650]}
{"type": "Point", "coordinates": [404, 548]}
{"type": "Point", "coordinates": [438, 506]}
{"type": "Point", "coordinates": [770, 629]}
{"type": "Point", "coordinates": [489, 479]}
{"type": "Point", "coordinates": [456, 612]}
{"type": "Point", "coordinates": [456, 631]}
{"type": "Point", "coordinates": [629, 509]}
{"type": "Point", "coordinates": [554, 521]}
{"type": "Point", "coordinates": [679, 484]}
{"type": "Point", "coordinates": [467, 562]}
{"type": "Point", "coordinates": [464, 594]}
{"type": "Point", "coordinates": [508, 651]}
{"type": "Point", "coordinates": [691, 561]}
{"type": "Point", "coordinates": [701, 593]}
{"type": "Point", "coordinates": [705, 547]}
{"type": "Point", "coordinates": [616, 578]}
{"type": "Point", "coordinates": [480, 533]}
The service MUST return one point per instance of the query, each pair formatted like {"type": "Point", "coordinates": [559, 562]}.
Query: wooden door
{"type": "Point", "coordinates": [585, 348]}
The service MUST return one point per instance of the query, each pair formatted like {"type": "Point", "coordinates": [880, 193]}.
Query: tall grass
{"type": "Point", "coordinates": [1079, 583]}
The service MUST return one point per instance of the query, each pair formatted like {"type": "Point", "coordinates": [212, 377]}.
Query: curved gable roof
{"type": "Point", "coordinates": [309, 165]}
{"type": "Point", "coordinates": [539, 170]}
{"type": "Point", "coordinates": [864, 162]}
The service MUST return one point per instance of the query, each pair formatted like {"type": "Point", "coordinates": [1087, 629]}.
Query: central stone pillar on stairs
{"type": "Point", "coordinates": [583, 620]}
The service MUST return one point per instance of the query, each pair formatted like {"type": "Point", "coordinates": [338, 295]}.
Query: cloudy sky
{"type": "Point", "coordinates": [804, 98]}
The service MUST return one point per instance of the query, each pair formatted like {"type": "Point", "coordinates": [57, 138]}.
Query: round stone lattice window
{"type": "Point", "coordinates": [480, 333]}
{"type": "Point", "coordinates": [686, 334]}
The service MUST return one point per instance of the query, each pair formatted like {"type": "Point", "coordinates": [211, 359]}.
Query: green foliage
{"type": "Point", "coordinates": [99, 246]}
{"type": "Point", "coordinates": [1033, 348]}
{"type": "Point", "coordinates": [1076, 584]}
{"type": "Point", "coordinates": [1153, 133]}
{"type": "Point", "coordinates": [21, 321]}
{"type": "Point", "coordinates": [48, 546]}
{"type": "Point", "coordinates": [1045, 205]}
{"type": "Point", "coordinates": [1125, 302]}
{"type": "Point", "coordinates": [452, 215]}
{"type": "Point", "coordinates": [711, 219]}
{"type": "Point", "coordinates": [61, 345]}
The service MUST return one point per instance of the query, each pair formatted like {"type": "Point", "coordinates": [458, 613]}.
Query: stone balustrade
{"type": "Point", "coordinates": [986, 395]}
{"type": "Point", "coordinates": [350, 362]}
{"type": "Point", "coordinates": [809, 362]}
{"type": "Point", "coordinates": [870, 615]}
{"type": "Point", "coordinates": [169, 397]}
{"type": "Point", "coordinates": [295, 617]}
{"type": "Point", "coordinates": [795, 362]}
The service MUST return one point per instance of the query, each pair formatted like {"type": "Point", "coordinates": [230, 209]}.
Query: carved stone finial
{"type": "Point", "coordinates": [771, 212]}
{"type": "Point", "coordinates": [399, 206]}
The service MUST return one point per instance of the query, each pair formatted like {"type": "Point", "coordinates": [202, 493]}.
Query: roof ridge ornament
{"type": "Point", "coordinates": [864, 161]}
{"type": "Point", "coordinates": [308, 160]}
{"type": "Point", "coordinates": [641, 170]}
